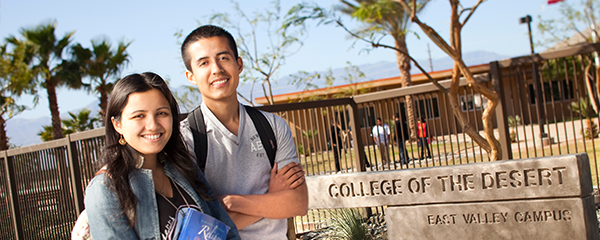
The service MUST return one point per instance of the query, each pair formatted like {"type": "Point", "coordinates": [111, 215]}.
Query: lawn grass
{"type": "Point", "coordinates": [592, 148]}
{"type": "Point", "coordinates": [322, 162]}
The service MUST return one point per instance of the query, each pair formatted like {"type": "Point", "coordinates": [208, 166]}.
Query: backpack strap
{"type": "Point", "coordinates": [265, 131]}
{"type": "Point", "coordinates": [196, 121]}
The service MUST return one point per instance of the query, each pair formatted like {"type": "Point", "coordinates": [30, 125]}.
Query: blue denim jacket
{"type": "Point", "coordinates": [103, 207]}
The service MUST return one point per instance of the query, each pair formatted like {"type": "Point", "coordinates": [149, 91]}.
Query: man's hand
{"type": "Point", "coordinates": [224, 200]}
{"type": "Point", "coordinates": [287, 197]}
{"type": "Point", "coordinates": [289, 177]}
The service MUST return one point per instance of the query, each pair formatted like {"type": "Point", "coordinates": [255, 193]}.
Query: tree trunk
{"type": "Point", "coordinates": [405, 80]}
{"type": "Point", "coordinates": [60, 156]}
{"type": "Point", "coordinates": [53, 104]}
{"type": "Point", "coordinates": [103, 100]}
{"type": "Point", "coordinates": [589, 87]}
{"type": "Point", "coordinates": [493, 144]}
{"type": "Point", "coordinates": [588, 131]}
{"type": "Point", "coordinates": [3, 137]}
{"type": "Point", "coordinates": [268, 81]}
{"type": "Point", "coordinates": [490, 144]}
{"type": "Point", "coordinates": [597, 85]}
{"type": "Point", "coordinates": [267, 93]}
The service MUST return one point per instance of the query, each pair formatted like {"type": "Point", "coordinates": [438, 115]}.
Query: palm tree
{"type": "Point", "coordinates": [16, 78]}
{"type": "Point", "coordinates": [102, 64]}
{"type": "Point", "coordinates": [46, 133]}
{"type": "Point", "coordinates": [82, 121]}
{"type": "Point", "coordinates": [53, 70]}
{"type": "Point", "coordinates": [389, 17]}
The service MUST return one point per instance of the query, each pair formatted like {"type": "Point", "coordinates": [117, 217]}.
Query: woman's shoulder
{"type": "Point", "coordinates": [97, 184]}
{"type": "Point", "coordinates": [98, 194]}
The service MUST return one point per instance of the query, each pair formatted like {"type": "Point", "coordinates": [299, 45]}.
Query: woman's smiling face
{"type": "Point", "coordinates": [146, 122]}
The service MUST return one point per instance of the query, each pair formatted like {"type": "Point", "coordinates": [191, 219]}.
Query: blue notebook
{"type": "Point", "coordinates": [200, 226]}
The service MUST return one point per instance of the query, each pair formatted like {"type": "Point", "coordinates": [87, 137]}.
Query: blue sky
{"type": "Point", "coordinates": [151, 26]}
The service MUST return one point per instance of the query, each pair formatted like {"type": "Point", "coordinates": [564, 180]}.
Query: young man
{"type": "Point", "coordinates": [381, 136]}
{"type": "Point", "coordinates": [336, 142]}
{"type": "Point", "coordinates": [258, 199]}
{"type": "Point", "coordinates": [401, 136]}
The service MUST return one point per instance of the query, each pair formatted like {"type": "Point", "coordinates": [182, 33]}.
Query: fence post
{"type": "Point", "coordinates": [75, 174]}
{"type": "Point", "coordinates": [13, 199]}
{"type": "Point", "coordinates": [501, 116]}
{"type": "Point", "coordinates": [539, 100]}
{"type": "Point", "coordinates": [359, 149]}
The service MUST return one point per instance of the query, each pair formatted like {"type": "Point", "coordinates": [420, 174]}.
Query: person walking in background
{"type": "Point", "coordinates": [336, 142]}
{"type": "Point", "coordinates": [346, 143]}
{"type": "Point", "coordinates": [351, 138]}
{"type": "Point", "coordinates": [401, 136]}
{"type": "Point", "coordinates": [423, 134]}
{"type": "Point", "coordinates": [381, 136]}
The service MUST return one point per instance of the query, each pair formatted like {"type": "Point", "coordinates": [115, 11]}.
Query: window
{"type": "Point", "coordinates": [428, 108]}
{"type": "Point", "coordinates": [557, 90]}
{"type": "Point", "coordinates": [367, 116]}
{"type": "Point", "coordinates": [472, 102]}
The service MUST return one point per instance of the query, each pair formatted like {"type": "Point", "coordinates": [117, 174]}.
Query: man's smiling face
{"type": "Point", "coordinates": [214, 69]}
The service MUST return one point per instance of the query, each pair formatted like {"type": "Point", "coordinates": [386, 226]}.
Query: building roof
{"type": "Point", "coordinates": [373, 85]}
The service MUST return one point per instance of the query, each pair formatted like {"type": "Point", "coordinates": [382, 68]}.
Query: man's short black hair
{"type": "Point", "coordinates": [205, 31]}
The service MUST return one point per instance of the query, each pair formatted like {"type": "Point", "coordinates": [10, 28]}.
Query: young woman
{"type": "Point", "coordinates": [149, 174]}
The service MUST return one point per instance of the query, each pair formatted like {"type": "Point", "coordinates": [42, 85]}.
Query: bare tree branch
{"type": "Point", "coordinates": [269, 100]}
{"type": "Point", "coordinates": [471, 12]}
{"type": "Point", "coordinates": [245, 99]}
{"type": "Point", "coordinates": [434, 81]}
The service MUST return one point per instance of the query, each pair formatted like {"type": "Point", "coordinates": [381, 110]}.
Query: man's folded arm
{"type": "Point", "coordinates": [276, 205]}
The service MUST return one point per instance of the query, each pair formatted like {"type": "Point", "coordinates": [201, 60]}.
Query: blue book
{"type": "Point", "coordinates": [200, 226]}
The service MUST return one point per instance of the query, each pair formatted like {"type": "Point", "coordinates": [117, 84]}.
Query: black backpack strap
{"type": "Point", "coordinates": [265, 131]}
{"type": "Point", "coordinates": [196, 121]}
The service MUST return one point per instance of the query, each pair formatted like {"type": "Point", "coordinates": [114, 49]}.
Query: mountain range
{"type": "Point", "coordinates": [23, 131]}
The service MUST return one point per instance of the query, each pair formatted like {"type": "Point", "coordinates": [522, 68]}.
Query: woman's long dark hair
{"type": "Point", "coordinates": [122, 160]}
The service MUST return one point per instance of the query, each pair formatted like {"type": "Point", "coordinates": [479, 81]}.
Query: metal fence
{"type": "Point", "coordinates": [566, 84]}
{"type": "Point", "coordinates": [312, 128]}
{"type": "Point", "coordinates": [42, 186]}
{"type": "Point", "coordinates": [557, 126]}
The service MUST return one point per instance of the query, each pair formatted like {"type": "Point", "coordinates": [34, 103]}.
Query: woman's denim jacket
{"type": "Point", "coordinates": [104, 209]}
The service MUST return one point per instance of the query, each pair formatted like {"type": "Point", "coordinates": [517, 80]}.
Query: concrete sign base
{"type": "Point", "coordinates": [568, 218]}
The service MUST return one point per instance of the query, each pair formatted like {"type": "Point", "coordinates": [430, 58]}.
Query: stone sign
{"type": "Point", "coordinates": [494, 198]}
{"type": "Point", "coordinates": [563, 176]}
{"type": "Point", "coordinates": [518, 219]}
